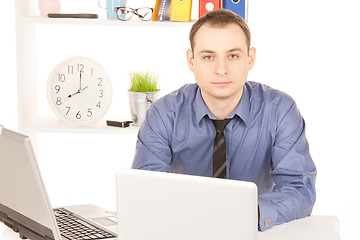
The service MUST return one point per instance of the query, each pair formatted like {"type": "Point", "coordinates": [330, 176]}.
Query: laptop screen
{"type": "Point", "coordinates": [162, 206]}
{"type": "Point", "coordinates": [23, 199]}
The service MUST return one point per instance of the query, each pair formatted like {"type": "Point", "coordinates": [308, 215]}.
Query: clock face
{"type": "Point", "coordinates": [79, 91]}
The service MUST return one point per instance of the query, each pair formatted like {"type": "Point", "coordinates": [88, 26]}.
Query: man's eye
{"type": "Point", "coordinates": [208, 57]}
{"type": "Point", "coordinates": [233, 56]}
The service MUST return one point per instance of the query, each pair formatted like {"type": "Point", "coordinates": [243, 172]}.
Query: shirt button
{"type": "Point", "coordinates": [267, 222]}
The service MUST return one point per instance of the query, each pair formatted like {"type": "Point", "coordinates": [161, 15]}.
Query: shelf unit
{"type": "Point", "coordinates": [29, 121]}
{"type": "Point", "coordinates": [101, 22]}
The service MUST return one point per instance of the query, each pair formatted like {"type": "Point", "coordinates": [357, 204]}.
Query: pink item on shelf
{"type": "Point", "coordinates": [49, 6]}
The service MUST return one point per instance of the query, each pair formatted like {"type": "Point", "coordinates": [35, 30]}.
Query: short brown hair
{"type": "Point", "coordinates": [220, 18]}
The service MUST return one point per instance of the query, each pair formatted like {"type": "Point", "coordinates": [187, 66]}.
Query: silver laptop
{"type": "Point", "coordinates": [162, 206]}
{"type": "Point", "coordinates": [24, 204]}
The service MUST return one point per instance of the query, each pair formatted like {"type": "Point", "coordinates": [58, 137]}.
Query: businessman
{"type": "Point", "coordinates": [225, 126]}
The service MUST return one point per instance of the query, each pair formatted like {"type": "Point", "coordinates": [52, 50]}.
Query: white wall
{"type": "Point", "coordinates": [309, 49]}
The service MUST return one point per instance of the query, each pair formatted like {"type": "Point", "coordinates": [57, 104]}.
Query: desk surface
{"type": "Point", "coordinates": [310, 228]}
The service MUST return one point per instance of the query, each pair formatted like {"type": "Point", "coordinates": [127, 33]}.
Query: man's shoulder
{"type": "Point", "coordinates": [177, 98]}
{"type": "Point", "coordinates": [260, 92]}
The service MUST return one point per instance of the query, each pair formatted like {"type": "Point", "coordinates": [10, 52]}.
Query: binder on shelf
{"type": "Point", "coordinates": [181, 10]}
{"type": "Point", "coordinates": [162, 10]}
{"type": "Point", "coordinates": [206, 6]}
{"type": "Point", "coordinates": [237, 6]}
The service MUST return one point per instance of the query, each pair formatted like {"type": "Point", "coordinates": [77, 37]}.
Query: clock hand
{"type": "Point", "coordinates": [77, 92]}
{"type": "Point", "coordinates": [70, 95]}
{"type": "Point", "coordinates": [84, 88]}
{"type": "Point", "coordinates": [80, 83]}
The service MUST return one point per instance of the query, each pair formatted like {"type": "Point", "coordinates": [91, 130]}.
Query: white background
{"type": "Point", "coordinates": [309, 49]}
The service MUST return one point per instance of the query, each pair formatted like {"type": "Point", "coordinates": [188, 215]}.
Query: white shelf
{"type": "Point", "coordinates": [54, 125]}
{"type": "Point", "coordinates": [104, 22]}
{"type": "Point", "coordinates": [28, 74]}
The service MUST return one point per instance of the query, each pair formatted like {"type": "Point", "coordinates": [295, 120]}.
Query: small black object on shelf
{"type": "Point", "coordinates": [123, 124]}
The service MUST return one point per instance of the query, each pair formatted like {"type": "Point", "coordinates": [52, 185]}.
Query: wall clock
{"type": "Point", "coordinates": [79, 91]}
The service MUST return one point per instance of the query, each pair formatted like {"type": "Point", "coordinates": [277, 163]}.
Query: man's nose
{"type": "Point", "coordinates": [221, 66]}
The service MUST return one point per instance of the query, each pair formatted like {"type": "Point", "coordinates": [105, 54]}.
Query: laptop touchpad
{"type": "Point", "coordinates": [105, 221]}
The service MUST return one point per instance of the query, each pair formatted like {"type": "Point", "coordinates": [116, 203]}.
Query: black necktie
{"type": "Point", "coordinates": [219, 156]}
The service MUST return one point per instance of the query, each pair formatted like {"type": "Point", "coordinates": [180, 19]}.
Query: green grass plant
{"type": "Point", "coordinates": [143, 81]}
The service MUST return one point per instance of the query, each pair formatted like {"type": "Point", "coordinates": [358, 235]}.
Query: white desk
{"type": "Point", "coordinates": [310, 228]}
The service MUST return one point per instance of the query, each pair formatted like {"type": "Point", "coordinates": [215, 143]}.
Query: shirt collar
{"type": "Point", "coordinates": [242, 110]}
{"type": "Point", "coordinates": [200, 107]}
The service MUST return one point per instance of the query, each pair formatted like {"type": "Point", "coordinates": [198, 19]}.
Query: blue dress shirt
{"type": "Point", "coordinates": [265, 144]}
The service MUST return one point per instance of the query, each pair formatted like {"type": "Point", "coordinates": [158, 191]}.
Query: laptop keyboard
{"type": "Point", "coordinates": [74, 228]}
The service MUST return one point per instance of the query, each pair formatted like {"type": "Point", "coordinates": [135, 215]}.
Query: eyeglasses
{"type": "Point", "coordinates": [125, 13]}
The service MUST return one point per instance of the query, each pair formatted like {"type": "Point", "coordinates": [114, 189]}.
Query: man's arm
{"type": "Point", "coordinates": [293, 173]}
{"type": "Point", "coordinates": [153, 150]}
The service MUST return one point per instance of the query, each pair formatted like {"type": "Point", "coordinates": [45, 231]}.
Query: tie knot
{"type": "Point", "coordinates": [220, 124]}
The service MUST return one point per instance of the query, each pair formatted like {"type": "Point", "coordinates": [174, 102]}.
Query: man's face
{"type": "Point", "coordinates": [220, 62]}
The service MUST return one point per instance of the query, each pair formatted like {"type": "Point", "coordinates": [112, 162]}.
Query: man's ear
{"type": "Point", "coordinates": [190, 59]}
{"type": "Point", "coordinates": [252, 57]}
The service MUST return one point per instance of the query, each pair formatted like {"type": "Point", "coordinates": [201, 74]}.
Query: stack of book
{"type": "Point", "coordinates": [180, 10]}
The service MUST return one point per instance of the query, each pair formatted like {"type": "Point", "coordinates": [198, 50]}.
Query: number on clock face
{"type": "Point", "coordinates": [79, 91]}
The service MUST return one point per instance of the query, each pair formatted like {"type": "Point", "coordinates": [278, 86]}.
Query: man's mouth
{"type": "Point", "coordinates": [222, 84]}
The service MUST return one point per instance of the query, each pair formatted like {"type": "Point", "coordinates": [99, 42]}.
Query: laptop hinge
{"type": "Point", "coordinates": [23, 225]}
